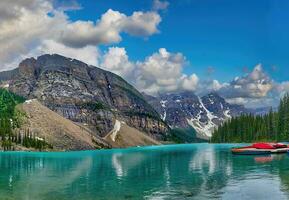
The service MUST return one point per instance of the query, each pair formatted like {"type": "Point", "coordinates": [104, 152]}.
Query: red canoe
{"type": "Point", "coordinates": [261, 148]}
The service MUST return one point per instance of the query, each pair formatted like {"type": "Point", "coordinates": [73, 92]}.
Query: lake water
{"type": "Point", "coordinates": [196, 171]}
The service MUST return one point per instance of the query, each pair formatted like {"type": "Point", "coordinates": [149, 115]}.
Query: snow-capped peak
{"type": "Point", "coordinates": [204, 114]}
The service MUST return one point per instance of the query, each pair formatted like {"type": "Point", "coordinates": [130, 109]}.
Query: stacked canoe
{"type": "Point", "coordinates": [261, 149]}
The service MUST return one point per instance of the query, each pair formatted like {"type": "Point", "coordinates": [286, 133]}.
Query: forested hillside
{"type": "Point", "coordinates": [10, 119]}
{"type": "Point", "coordinates": [273, 126]}
{"type": "Point", "coordinates": [8, 102]}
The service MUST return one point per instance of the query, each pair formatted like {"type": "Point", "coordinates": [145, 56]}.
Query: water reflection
{"type": "Point", "coordinates": [117, 165]}
{"type": "Point", "coordinates": [173, 172]}
{"type": "Point", "coordinates": [39, 177]}
{"type": "Point", "coordinates": [269, 158]}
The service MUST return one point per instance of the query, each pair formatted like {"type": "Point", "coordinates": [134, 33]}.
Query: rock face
{"type": "Point", "coordinates": [185, 109]}
{"type": "Point", "coordinates": [59, 132]}
{"type": "Point", "coordinates": [86, 95]}
{"type": "Point", "coordinates": [7, 75]}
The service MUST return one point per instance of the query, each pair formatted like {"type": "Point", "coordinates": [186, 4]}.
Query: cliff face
{"type": "Point", "coordinates": [204, 114]}
{"type": "Point", "coordinates": [90, 96]}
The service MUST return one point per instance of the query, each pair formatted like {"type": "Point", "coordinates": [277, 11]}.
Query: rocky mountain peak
{"type": "Point", "coordinates": [27, 67]}
{"type": "Point", "coordinates": [85, 94]}
{"type": "Point", "coordinates": [186, 109]}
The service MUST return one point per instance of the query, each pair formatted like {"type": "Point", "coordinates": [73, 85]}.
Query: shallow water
{"type": "Point", "coordinates": [195, 171]}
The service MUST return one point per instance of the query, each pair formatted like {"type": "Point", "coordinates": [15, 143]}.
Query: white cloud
{"type": "Point", "coordinates": [160, 5]}
{"type": "Point", "coordinates": [283, 87]}
{"type": "Point", "coordinates": [256, 84]}
{"type": "Point", "coordinates": [116, 60]}
{"type": "Point", "coordinates": [189, 82]}
{"type": "Point", "coordinates": [26, 24]}
{"type": "Point", "coordinates": [237, 100]}
{"type": "Point", "coordinates": [33, 27]}
{"type": "Point", "coordinates": [107, 30]}
{"type": "Point", "coordinates": [65, 5]}
{"type": "Point", "coordinates": [158, 73]}
{"type": "Point", "coordinates": [206, 86]}
{"type": "Point", "coordinates": [255, 89]}
{"type": "Point", "coordinates": [256, 102]}
{"type": "Point", "coordinates": [162, 72]}
{"type": "Point", "coordinates": [87, 54]}
{"type": "Point", "coordinates": [142, 24]}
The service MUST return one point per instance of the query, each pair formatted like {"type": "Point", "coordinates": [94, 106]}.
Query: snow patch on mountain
{"type": "Point", "coordinates": [163, 103]}
{"type": "Point", "coordinates": [164, 116]}
{"type": "Point", "coordinates": [115, 130]}
{"type": "Point", "coordinates": [205, 128]}
{"type": "Point", "coordinates": [29, 101]}
{"type": "Point", "coordinates": [209, 114]}
{"type": "Point", "coordinates": [222, 107]}
{"type": "Point", "coordinates": [227, 114]}
{"type": "Point", "coordinates": [204, 114]}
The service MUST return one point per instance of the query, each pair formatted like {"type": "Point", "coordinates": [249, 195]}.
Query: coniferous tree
{"type": "Point", "coordinates": [273, 126]}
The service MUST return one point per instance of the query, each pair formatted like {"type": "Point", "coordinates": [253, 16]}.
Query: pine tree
{"type": "Point", "coordinates": [273, 126]}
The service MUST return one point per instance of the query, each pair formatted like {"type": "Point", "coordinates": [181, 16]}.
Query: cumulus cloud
{"type": "Point", "coordinates": [256, 84]}
{"type": "Point", "coordinates": [255, 89]}
{"type": "Point", "coordinates": [26, 24]}
{"type": "Point", "coordinates": [161, 72]}
{"type": "Point", "coordinates": [117, 61]}
{"type": "Point", "coordinates": [189, 82]}
{"type": "Point", "coordinates": [141, 24]}
{"type": "Point", "coordinates": [33, 27]}
{"type": "Point", "coordinates": [108, 29]}
{"type": "Point", "coordinates": [214, 85]}
{"type": "Point", "coordinates": [10, 10]}
{"type": "Point", "coordinates": [23, 27]}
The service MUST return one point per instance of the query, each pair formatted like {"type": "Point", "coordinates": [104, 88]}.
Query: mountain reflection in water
{"type": "Point", "coordinates": [196, 171]}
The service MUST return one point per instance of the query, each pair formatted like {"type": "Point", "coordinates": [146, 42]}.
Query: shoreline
{"type": "Point", "coordinates": [149, 147]}
{"type": "Point", "coordinates": [128, 149]}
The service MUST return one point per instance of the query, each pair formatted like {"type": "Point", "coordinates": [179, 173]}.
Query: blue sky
{"type": "Point", "coordinates": [224, 35]}
{"type": "Point", "coordinates": [238, 48]}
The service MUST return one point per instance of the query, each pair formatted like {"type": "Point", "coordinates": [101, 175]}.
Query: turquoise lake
{"type": "Point", "coordinates": [193, 171]}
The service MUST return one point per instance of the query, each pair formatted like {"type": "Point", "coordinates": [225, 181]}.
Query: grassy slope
{"type": "Point", "coordinates": [62, 133]}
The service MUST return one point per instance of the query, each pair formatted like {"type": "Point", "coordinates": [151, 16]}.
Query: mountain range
{"type": "Point", "coordinates": [107, 108]}
{"type": "Point", "coordinates": [204, 114]}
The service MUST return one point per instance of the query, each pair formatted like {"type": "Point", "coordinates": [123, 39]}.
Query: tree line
{"type": "Point", "coordinates": [273, 126]}
{"type": "Point", "coordinates": [10, 120]}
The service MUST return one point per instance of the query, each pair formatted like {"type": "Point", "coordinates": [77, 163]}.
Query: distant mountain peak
{"type": "Point", "coordinates": [186, 109]}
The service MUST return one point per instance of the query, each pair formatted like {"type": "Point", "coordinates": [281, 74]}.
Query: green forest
{"type": "Point", "coordinates": [272, 127]}
{"type": "Point", "coordinates": [10, 119]}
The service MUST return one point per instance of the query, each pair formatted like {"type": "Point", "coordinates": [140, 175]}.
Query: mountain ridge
{"type": "Point", "coordinates": [85, 94]}
{"type": "Point", "coordinates": [186, 109]}
{"type": "Point", "coordinates": [96, 99]}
